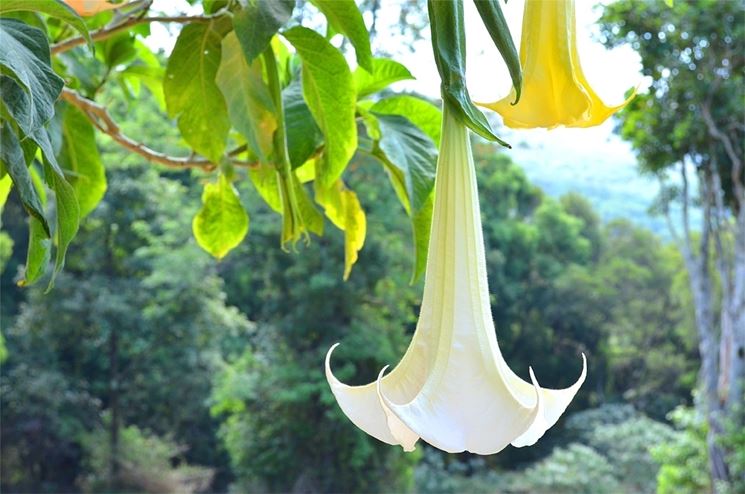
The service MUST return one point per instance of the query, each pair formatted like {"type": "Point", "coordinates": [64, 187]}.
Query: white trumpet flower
{"type": "Point", "coordinates": [453, 387]}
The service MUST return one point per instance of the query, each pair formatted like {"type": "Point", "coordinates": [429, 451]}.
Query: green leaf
{"type": "Point", "coordinates": [421, 112]}
{"type": "Point", "coordinates": [328, 88]}
{"type": "Point", "coordinates": [384, 73]}
{"type": "Point", "coordinates": [303, 134]}
{"type": "Point", "coordinates": [11, 156]}
{"type": "Point", "coordinates": [38, 253]}
{"type": "Point", "coordinates": [191, 93]}
{"type": "Point", "coordinates": [345, 17]}
{"type": "Point", "coordinates": [68, 211]}
{"type": "Point", "coordinates": [408, 149]}
{"type": "Point", "coordinates": [493, 18]}
{"type": "Point", "coordinates": [68, 214]}
{"type": "Point", "coordinates": [79, 155]}
{"type": "Point", "coordinates": [449, 46]}
{"type": "Point", "coordinates": [264, 179]}
{"type": "Point", "coordinates": [222, 223]}
{"type": "Point", "coordinates": [257, 22]}
{"type": "Point", "coordinates": [53, 8]}
{"type": "Point", "coordinates": [6, 183]}
{"type": "Point", "coordinates": [250, 105]}
{"type": "Point", "coordinates": [28, 85]}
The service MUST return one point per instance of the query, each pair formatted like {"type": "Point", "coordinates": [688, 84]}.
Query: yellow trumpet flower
{"type": "Point", "coordinates": [555, 90]}
{"type": "Point", "coordinates": [453, 387]}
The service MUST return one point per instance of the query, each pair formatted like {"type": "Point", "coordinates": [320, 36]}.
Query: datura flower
{"type": "Point", "coordinates": [555, 90]}
{"type": "Point", "coordinates": [453, 387]}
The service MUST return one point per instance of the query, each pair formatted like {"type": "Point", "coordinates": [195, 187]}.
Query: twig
{"type": "Point", "coordinates": [101, 119]}
{"type": "Point", "coordinates": [107, 32]}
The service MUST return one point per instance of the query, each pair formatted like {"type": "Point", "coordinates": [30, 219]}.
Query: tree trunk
{"type": "Point", "coordinates": [736, 313]}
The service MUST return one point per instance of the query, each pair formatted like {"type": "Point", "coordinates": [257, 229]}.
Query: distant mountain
{"type": "Point", "coordinates": [593, 162]}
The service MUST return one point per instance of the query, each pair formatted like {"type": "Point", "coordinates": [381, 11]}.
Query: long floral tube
{"type": "Point", "coordinates": [555, 90]}
{"type": "Point", "coordinates": [452, 387]}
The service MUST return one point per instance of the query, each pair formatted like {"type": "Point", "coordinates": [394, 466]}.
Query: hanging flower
{"type": "Point", "coordinates": [91, 7]}
{"type": "Point", "coordinates": [555, 90]}
{"type": "Point", "coordinates": [453, 388]}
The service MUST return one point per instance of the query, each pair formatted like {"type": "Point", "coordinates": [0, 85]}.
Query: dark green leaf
{"type": "Point", "coordinates": [303, 135]}
{"type": "Point", "coordinates": [412, 152]}
{"type": "Point", "coordinates": [328, 88]}
{"type": "Point", "coordinates": [257, 22]}
{"type": "Point", "coordinates": [79, 156]}
{"type": "Point", "coordinates": [68, 214]}
{"type": "Point", "coordinates": [53, 8]}
{"type": "Point", "coordinates": [491, 13]}
{"type": "Point", "coordinates": [11, 155]}
{"type": "Point", "coordinates": [250, 105]}
{"type": "Point", "coordinates": [191, 92]}
{"type": "Point", "coordinates": [222, 223]}
{"type": "Point", "coordinates": [38, 253]}
{"type": "Point", "coordinates": [68, 211]}
{"type": "Point", "coordinates": [29, 87]}
{"type": "Point", "coordinates": [421, 112]}
{"type": "Point", "coordinates": [345, 17]}
{"type": "Point", "coordinates": [449, 45]}
{"type": "Point", "coordinates": [384, 73]}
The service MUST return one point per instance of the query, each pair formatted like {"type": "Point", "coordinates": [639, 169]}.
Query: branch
{"type": "Point", "coordinates": [107, 32]}
{"type": "Point", "coordinates": [101, 119]}
{"type": "Point", "coordinates": [732, 154]}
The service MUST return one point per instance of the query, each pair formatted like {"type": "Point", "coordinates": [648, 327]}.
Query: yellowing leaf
{"type": "Point", "coordinates": [222, 223]}
{"type": "Point", "coordinates": [343, 208]}
{"type": "Point", "coordinates": [355, 230]}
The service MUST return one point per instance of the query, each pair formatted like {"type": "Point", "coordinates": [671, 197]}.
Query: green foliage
{"type": "Point", "coordinates": [328, 89]}
{"type": "Point", "coordinates": [29, 85]}
{"type": "Point", "coordinates": [384, 72]}
{"type": "Point", "coordinates": [345, 17]}
{"type": "Point", "coordinates": [257, 22]}
{"type": "Point", "coordinates": [684, 462]}
{"type": "Point", "coordinates": [250, 106]}
{"type": "Point", "coordinates": [222, 222]}
{"type": "Point", "coordinates": [148, 463]}
{"type": "Point", "coordinates": [689, 51]}
{"type": "Point", "coordinates": [79, 157]}
{"type": "Point", "coordinates": [191, 93]}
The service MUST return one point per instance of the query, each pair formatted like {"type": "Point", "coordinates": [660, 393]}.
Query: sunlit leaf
{"type": "Point", "coordinates": [249, 103]}
{"type": "Point", "coordinates": [328, 88]}
{"type": "Point", "coordinates": [191, 92]}
{"type": "Point", "coordinates": [264, 179]}
{"type": "Point", "coordinates": [345, 17]}
{"type": "Point", "coordinates": [222, 222]}
{"type": "Point", "coordinates": [384, 73]}
{"type": "Point", "coordinates": [343, 208]}
{"type": "Point", "coordinates": [421, 112]}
